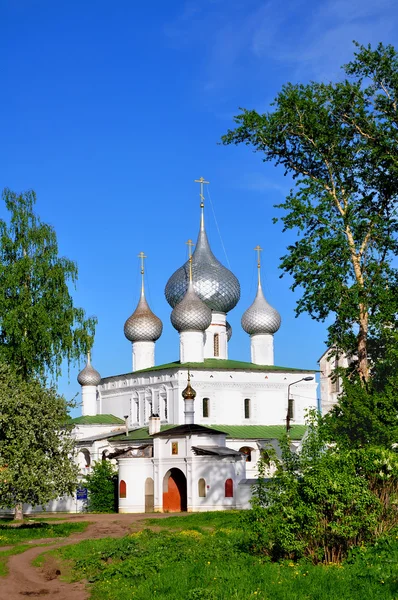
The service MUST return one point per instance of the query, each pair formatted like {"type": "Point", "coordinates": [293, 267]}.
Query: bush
{"type": "Point", "coordinates": [322, 502]}
{"type": "Point", "coordinates": [101, 488]}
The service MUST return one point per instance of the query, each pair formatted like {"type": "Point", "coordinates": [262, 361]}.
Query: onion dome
{"type": "Point", "coordinates": [261, 317]}
{"type": "Point", "coordinates": [89, 376]}
{"type": "Point", "coordinates": [213, 283]}
{"type": "Point", "coordinates": [229, 330]}
{"type": "Point", "coordinates": [189, 393]}
{"type": "Point", "coordinates": [191, 314]}
{"type": "Point", "coordinates": [143, 325]}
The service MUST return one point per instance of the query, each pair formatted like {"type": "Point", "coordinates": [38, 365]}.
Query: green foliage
{"type": "Point", "coordinates": [212, 564]}
{"type": "Point", "coordinates": [35, 448]}
{"type": "Point", "coordinates": [101, 487]}
{"type": "Point", "coordinates": [364, 415]}
{"type": "Point", "coordinates": [338, 142]}
{"type": "Point", "coordinates": [39, 326]}
{"type": "Point", "coordinates": [324, 501]}
{"type": "Point", "coordinates": [10, 534]}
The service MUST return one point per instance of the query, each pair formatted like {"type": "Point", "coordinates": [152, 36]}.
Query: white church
{"type": "Point", "coordinates": [187, 435]}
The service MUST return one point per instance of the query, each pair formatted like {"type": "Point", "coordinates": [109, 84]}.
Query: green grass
{"type": "Point", "coordinates": [5, 554]}
{"type": "Point", "coordinates": [214, 520]}
{"type": "Point", "coordinates": [11, 534]}
{"type": "Point", "coordinates": [203, 557]}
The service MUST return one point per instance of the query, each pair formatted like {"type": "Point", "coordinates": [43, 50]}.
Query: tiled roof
{"type": "Point", "coordinates": [261, 432]}
{"type": "Point", "coordinates": [96, 420]}
{"type": "Point", "coordinates": [215, 364]}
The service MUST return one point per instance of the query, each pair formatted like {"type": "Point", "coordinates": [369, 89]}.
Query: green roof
{"type": "Point", "coordinates": [261, 432]}
{"type": "Point", "coordinates": [219, 364]}
{"type": "Point", "coordinates": [137, 434]}
{"type": "Point", "coordinates": [243, 432]}
{"type": "Point", "coordinates": [97, 420]}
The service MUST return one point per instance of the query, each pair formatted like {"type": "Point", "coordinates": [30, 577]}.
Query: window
{"type": "Point", "coordinates": [122, 489]}
{"type": "Point", "coordinates": [216, 344]}
{"type": "Point", "coordinates": [165, 407]}
{"type": "Point", "coordinates": [137, 412]}
{"type": "Point", "coordinates": [229, 488]}
{"type": "Point", "coordinates": [247, 452]}
{"type": "Point", "coordinates": [202, 488]}
{"type": "Point", "coordinates": [174, 448]}
{"type": "Point", "coordinates": [335, 383]}
{"type": "Point", "coordinates": [247, 408]}
{"type": "Point", "coordinates": [206, 407]}
{"type": "Point", "coordinates": [290, 408]}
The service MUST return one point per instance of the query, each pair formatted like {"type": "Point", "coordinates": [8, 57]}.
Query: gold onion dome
{"type": "Point", "coordinates": [191, 314]}
{"type": "Point", "coordinates": [89, 376]}
{"type": "Point", "coordinates": [143, 325]}
{"type": "Point", "coordinates": [261, 317]}
{"type": "Point", "coordinates": [189, 393]}
{"type": "Point", "coordinates": [215, 285]}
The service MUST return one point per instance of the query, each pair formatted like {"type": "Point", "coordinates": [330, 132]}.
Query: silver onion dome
{"type": "Point", "coordinates": [261, 317]}
{"type": "Point", "coordinates": [191, 314]}
{"type": "Point", "coordinates": [213, 283]}
{"type": "Point", "coordinates": [143, 325]}
{"type": "Point", "coordinates": [89, 376]}
{"type": "Point", "coordinates": [228, 327]}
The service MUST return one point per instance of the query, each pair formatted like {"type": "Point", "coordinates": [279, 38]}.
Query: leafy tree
{"type": "Point", "coordinates": [364, 415]}
{"type": "Point", "coordinates": [39, 326]}
{"type": "Point", "coordinates": [101, 487]}
{"type": "Point", "coordinates": [338, 141]}
{"type": "Point", "coordinates": [36, 450]}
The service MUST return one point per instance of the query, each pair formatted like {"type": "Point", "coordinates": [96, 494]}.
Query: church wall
{"type": "Point", "coordinates": [215, 472]}
{"type": "Point", "coordinates": [134, 471]}
{"type": "Point", "coordinates": [226, 391]}
{"type": "Point", "coordinates": [118, 406]}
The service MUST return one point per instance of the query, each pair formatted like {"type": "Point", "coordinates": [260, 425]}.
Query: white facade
{"type": "Point", "coordinates": [208, 482]}
{"type": "Point", "coordinates": [330, 384]}
{"type": "Point", "coordinates": [159, 391]}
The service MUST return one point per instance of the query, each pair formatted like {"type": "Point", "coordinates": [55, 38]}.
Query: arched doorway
{"type": "Point", "coordinates": [174, 491]}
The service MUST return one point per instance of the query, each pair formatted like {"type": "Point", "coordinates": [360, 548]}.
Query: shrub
{"type": "Point", "coordinates": [101, 488]}
{"type": "Point", "coordinates": [322, 502]}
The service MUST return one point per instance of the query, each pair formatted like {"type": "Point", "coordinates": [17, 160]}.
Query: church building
{"type": "Point", "coordinates": [187, 435]}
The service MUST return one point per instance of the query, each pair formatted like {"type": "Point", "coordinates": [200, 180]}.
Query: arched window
{"type": "Point", "coordinates": [202, 488]}
{"type": "Point", "coordinates": [247, 452]}
{"type": "Point", "coordinates": [122, 489]}
{"type": "Point", "coordinates": [229, 488]}
{"type": "Point", "coordinates": [206, 407]}
{"type": "Point", "coordinates": [216, 344]}
{"type": "Point", "coordinates": [247, 408]}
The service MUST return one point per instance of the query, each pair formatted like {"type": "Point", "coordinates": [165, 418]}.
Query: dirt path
{"type": "Point", "coordinates": [26, 581]}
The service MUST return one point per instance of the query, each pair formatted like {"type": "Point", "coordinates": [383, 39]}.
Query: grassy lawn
{"type": "Point", "coordinates": [17, 536]}
{"type": "Point", "coordinates": [203, 557]}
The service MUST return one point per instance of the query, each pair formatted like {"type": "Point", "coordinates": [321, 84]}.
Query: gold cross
{"type": "Point", "coordinates": [142, 257]}
{"type": "Point", "coordinates": [190, 243]}
{"type": "Point", "coordinates": [258, 250]}
{"type": "Point", "coordinates": [202, 198]}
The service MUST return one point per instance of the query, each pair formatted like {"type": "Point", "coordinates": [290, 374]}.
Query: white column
{"type": "Point", "coordinates": [89, 400]}
{"type": "Point", "coordinates": [217, 327]}
{"type": "Point", "coordinates": [191, 346]}
{"type": "Point", "coordinates": [143, 355]}
{"type": "Point", "coordinates": [154, 425]}
{"type": "Point", "coordinates": [189, 412]}
{"type": "Point", "coordinates": [262, 349]}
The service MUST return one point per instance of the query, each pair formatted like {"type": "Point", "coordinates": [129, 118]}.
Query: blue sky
{"type": "Point", "coordinates": [110, 110]}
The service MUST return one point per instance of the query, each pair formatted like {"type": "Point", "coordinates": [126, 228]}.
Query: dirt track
{"type": "Point", "coordinates": [26, 581]}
